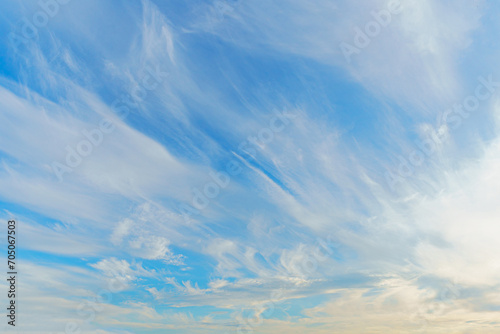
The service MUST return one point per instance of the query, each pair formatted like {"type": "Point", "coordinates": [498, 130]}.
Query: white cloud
{"type": "Point", "coordinates": [120, 273]}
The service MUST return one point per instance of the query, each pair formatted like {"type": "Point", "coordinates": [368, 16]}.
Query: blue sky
{"type": "Point", "coordinates": [228, 167]}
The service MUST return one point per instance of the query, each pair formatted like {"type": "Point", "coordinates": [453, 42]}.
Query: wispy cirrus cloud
{"type": "Point", "coordinates": [221, 77]}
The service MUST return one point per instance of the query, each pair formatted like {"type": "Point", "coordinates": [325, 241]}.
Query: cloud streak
{"type": "Point", "coordinates": [147, 110]}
